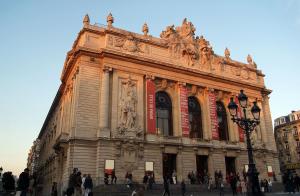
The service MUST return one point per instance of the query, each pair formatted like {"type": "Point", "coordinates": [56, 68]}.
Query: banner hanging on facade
{"type": "Point", "coordinates": [184, 111]}
{"type": "Point", "coordinates": [151, 118]}
{"type": "Point", "coordinates": [241, 131]}
{"type": "Point", "coordinates": [213, 115]}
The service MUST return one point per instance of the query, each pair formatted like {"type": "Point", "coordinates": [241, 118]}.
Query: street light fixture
{"type": "Point", "coordinates": [248, 126]}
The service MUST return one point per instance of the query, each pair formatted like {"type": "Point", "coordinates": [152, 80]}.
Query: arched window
{"type": "Point", "coordinates": [195, 118]}
{"type": "Point", "coordinates": [222, 121]}
{"type": "Point", "coordinates": [163, 113]}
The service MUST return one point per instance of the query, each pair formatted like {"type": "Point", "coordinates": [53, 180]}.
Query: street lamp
{"type": "Point", "coordinates": [248, 126]}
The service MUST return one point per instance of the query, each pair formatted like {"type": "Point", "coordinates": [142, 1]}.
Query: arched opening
{"type": "Point", "coordinates": [163, 114]}
{"type": "Point", "coordinates": [222, 121]}
{"type": "Point", "coordinates": [195, 118]}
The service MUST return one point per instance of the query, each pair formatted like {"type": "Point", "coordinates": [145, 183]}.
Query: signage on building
{"type": "Point", "coordinates": [213, 115]}
{"type": "Point", "coordinates": [184, 111]}
{"type": "Point", "coordinates": [293, 166]}
{"type": "Point", "coordinates": [241, 131]}
{"type": "Point", "coordinates": [151, 124]}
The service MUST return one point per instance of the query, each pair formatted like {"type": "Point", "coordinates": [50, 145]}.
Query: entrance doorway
{"type": "Point", "coordinates": [202, 167]}
{"type": "Point", "coordinates": [169, 164]}
{"type": "Point", "coordinates": [230, 165]}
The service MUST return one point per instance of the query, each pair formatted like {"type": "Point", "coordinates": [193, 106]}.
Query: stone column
{"type": "Point", "coordinates": [104, 104]}
{"type": "Point", "coordinates": [268, 123]}
{"type": "Point", "coordinates": [262, 125]}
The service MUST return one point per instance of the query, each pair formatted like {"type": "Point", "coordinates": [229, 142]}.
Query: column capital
{"type": "Point", "coordinates": [149, 77]}
{"type": "Point", "coordinates": [107, 68]}
{"type": "Point", "coordinates": [181, 83]}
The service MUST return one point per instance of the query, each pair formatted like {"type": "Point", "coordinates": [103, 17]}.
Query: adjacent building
{"type": "Point", "coordinates": [287, 140]}
{"type": "Point", "coordinates": [135, 103]}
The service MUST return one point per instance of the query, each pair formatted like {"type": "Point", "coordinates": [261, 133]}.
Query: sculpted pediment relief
{"type": "Point", "coordinates": [182, 43]}
{"type": "Point", "coordinates": [180, 46]}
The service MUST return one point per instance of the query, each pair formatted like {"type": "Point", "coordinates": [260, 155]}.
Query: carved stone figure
{"type": "Point", "coordinates": [205, 51]}
{"type": "Point", "coordinates": [127, 109]}
{"type": "Point", "coordinates": [181, 42]}
{"type": "Point", "coordinates": [249, 59]}
{"type": "Point", "coordinates": [86, 19]}
{"type": "Point", "coordinates": [227, 53]}
{"type": "Point", "coordinates": [110, 20]}
{"type": "Point", "coordinates": [145, 29]}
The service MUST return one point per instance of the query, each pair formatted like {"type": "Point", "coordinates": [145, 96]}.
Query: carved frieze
{"type": "Point", "coordinates": [130, 154]}
{"type": "Point", "coordinates": [128, 43]}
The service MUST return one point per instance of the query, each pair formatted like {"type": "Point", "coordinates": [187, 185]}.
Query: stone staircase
{"type": "Point", "coordinates": [157, 190]}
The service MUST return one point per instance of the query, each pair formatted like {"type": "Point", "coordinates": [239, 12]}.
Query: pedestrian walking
{"type": "Point", "coordinates": [166, 186]}
{"type": "Point", "coordinates": [297, 182]}
{"type": "Point", "coordinates": [23, 182]}
{"type": "Point", "coordinates": [151, 181]}
{"type": "Point", "coordinates": [113, 177]}
{"type": "Point", "coordinates": [88, 185]}
{"type": "Point", "coordinates": [183, 188]}
{"type": "Point", "coordinates": [244, 187]}
{"type": "Point", "coordinates": [221, 188]}
{"type": "Point", "coordinates": [83, 180]}
{"type": "Point", "coordinates": [78, 182]}
{"type": "Point", "coordinates": [8, 182]}
{"type": "Point", "coordinates": [174, 177]}
{"type": "Point", "coordinates": [270, 184]}
{"type": "Point", "coordinates": [54, 189]}
{"type": "Point", "coordinates": [72, 182]}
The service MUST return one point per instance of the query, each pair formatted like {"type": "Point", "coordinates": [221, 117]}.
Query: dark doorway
{"type": "Point", "coordinates": [169, 164]}
{"type": "Point", "coordinates": [202, 168]}
{"type": "Point", "coordinates": [230, 165]}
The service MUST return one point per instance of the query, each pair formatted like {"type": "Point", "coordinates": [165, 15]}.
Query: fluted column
{"type": "Point", "coordinates": [104, 104]}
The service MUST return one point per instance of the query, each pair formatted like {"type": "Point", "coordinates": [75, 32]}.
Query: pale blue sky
{"type": "Point", "coordinates": [36, 35]}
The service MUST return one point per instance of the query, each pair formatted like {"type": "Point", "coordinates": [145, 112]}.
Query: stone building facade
{"type": "Point", "coordinates": [135, 103]}
{"type": "Point", "coordinates": [287, 140]}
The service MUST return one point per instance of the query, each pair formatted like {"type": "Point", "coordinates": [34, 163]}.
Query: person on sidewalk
{"type": "Point", "coordinates": [88, 185]}
{"type": "Point", "coordinates": [270, 184]}
{"type": "Point", "coordinates": [23, 182]}
{"type": "Point", "coordinates": [183, 188]}
{"type": "Point", "coordinates": [166, 187]}
{"type": "Point", "coordinates": [221, 187]}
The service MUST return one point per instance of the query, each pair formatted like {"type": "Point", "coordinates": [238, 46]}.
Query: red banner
{"type": "Point", "coordinates": [151, 124]}
{"type": "Point", "coordinates": [184, 111]}
{"type": "Point", "coordinates": [213, 115]}
{"type": "Point", "coordinates": [241, 131]}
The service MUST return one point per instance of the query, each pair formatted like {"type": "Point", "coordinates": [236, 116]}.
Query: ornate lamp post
{"type": "Point", "coordinates": [248, 126]}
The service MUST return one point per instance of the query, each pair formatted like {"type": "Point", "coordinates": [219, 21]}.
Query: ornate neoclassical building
{"type": "Point", "coordinates": [135, 103]}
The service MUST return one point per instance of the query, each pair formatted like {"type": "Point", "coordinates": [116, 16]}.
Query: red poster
{"type": "Point", "coordinates": [184, 111]}
{"type": "Point", "coordinates": [241, 131]}
{"type": "Point", "coordinates": [151, 118]}
{"type": "Point", "coordinates": [213, 116]}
